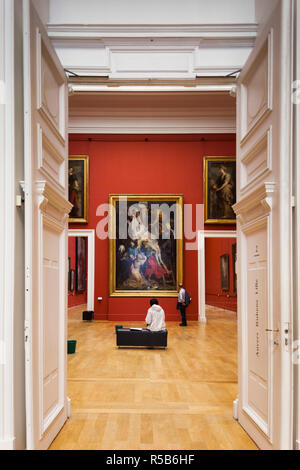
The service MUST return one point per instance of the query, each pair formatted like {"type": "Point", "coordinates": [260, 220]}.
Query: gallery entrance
{"type": "Point", "coordinates": [217, 271]}
{"type": "Point", "coordinates": [81, 269]}
{"type": "Point", "coordinates": [263, 230]}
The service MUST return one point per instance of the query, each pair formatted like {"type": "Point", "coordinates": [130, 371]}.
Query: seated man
{"type": "Point", "coordinates": [155, 318]}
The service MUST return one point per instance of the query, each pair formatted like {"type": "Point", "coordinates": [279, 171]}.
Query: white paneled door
{"type": "Point", "coordinates": [264, 231]}
{"type": "Point", "coordinates": [46, 220]}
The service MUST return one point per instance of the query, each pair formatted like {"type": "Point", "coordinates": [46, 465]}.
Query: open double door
{"type": "Point", "coordinates": [264, 216]}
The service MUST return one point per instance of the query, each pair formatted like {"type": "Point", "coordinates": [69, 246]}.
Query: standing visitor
{"type": "Point", "coordinates": [182, 302]}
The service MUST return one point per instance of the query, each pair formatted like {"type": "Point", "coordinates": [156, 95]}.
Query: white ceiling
{"type": "Point", "coordinates": [152, 100]}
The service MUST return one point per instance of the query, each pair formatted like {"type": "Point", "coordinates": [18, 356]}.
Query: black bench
{"type": "Point", "coordinates": [141, 337]}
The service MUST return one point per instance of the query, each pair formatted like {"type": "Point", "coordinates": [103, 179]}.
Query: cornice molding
{"type": "Point", "coordinates": [148, 30]}
{"type": "Point", "coordinates": [149, 51]}
{"type": "Point", "coordinates": [152, 112]}
{"type": "Point", "coordinates": [255, 205]}
{"type": "Point", "coordinates": [49, 196]}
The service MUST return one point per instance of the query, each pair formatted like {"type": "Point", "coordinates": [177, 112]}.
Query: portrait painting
{"type": "Point", "coordinates": [78, 188]}
{"type": "Point", "coordinates": [224, 268]}
{"type": "Point", "coordinates": [80, 264]}
{"type": "Point", "coordinates": [145, 245]}
{"type": "Point", "coordinates": [219, 186]}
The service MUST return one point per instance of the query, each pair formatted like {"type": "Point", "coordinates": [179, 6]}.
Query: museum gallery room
{"type": "Point", "coordinates": [153, 233]}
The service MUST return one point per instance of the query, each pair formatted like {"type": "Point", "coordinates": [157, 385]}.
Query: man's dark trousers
{"type": "Point", "coordinates": [182, 313]}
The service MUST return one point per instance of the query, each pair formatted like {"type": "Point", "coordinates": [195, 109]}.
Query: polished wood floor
{"type": "Point", "coordinates": [180, 398]}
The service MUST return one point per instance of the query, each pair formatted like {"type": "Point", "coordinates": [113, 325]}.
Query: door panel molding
{"type": "Point", "coordinates": [46, 224]}
{"type": "Point", "coordinates": [257, 89]}
{"type": "Point", "coordinates": [264, 227]}
{"type": "Point", "coordinates": [255, 272]}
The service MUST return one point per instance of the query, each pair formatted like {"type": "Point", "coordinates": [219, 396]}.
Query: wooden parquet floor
{"type": "Point", "coordinates": [180, 398]}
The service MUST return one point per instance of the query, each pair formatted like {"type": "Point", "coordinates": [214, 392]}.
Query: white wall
{"type": "Point", "coordinates": [263, 10]}
{"type": "Point", "coordinates": [297, 232]}
{"type": "Point", "coordinates": [12, 361]}
{"type": "Point", "coordinates": [42, 8]}
{"type": "Point", "coordinates": [19, 354]}
{"type": "Point", "coordinates": [141, 39]}
{"type": "Point", "coordinates": [151, 11]}
{"type": "Point", "coordinates": [7, 223]}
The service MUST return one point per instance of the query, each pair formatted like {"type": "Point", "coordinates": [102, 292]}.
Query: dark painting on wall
{"type": "Point", "coordinates": [146, 249]}
{"type": "Point", "coordinates": [80, 264]}
{"type": "Point", "coordinates": [219, 178]}
{"type": "Point", "coordinates": [224, 267]}
{"type": "Point", "coordinates": [234, 268]}
{"type": "Point", "coordinates": [78, 188]}
{"type": "Point", "coordinates": [71, 280]}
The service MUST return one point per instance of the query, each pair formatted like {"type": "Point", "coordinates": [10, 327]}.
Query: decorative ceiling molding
{"type": "Point", "coordinates": [150, 112]}
{"type": "Point", "coordinates": [148, 30]}
{"type": "Point", "coordinates": [153, 51]}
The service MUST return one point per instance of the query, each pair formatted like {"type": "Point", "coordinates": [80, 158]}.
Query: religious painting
{"type": "Point", "coordinates": [80, 264]}
{"type": "Point", "coordinates": [224, 268]}
{"type": "Point", "coordinates": [219, 186]}
{"type": "Point", "coordinates": [234, 268]}
{"type": "Point", "coordinates": [145, 245]}
{"type": "Point", "coordinates": [78, 188]}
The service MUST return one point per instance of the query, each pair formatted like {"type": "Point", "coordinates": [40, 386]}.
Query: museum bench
{"type": "Point", "coordinates": [141, 337]}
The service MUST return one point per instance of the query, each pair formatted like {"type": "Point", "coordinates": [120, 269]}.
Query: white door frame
{"type": "Point", "coordinates": [90, 234]}
{"type": "Point", "coordinates": [7, 218]}
{"type": "Point", "coordinates": [296, 152]}
{"type": "Point", "coordinates": [202, 234]}
{"type": "Point", "coordinates": [46, 224]}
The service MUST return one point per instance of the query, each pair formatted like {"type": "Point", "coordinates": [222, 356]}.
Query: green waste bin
{"type": "Point", "coordinates": [71, 346]}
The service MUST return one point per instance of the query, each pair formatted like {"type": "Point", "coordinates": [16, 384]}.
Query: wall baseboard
{"type": "Point", "coordinates": [7, 444]}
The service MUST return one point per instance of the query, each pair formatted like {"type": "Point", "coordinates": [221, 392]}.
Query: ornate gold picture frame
{"type": "Point", "coordinates": [145, 245]}
{"type": "Point", "coordinates": [78, 188]}
{"type": "Point", "coordinates": [219, 190]}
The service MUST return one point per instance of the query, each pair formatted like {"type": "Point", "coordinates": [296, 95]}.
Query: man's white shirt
{"type": "Point", "coordinates": [181, 296]}
{"type": "Point", "coordinates": [155, 318]}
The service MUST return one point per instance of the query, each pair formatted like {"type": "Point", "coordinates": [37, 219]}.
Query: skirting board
{"type": "Point", "coordinates": [7, 444]}
{"type": "Point", "coordinates": [235, 408]}
{"type": "Point", "coordinates": [68, 407]}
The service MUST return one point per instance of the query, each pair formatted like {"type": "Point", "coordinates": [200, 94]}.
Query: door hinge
{"type": "Point", "coordinates": [286, 333]}
{"type": "Point", "coordinates": [27, 340]}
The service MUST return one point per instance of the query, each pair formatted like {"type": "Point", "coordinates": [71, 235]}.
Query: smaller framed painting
{"type": "Point", "coordinates": [224, 267]}
{"type": "Point", "coordinates": [78, 188]}
{"type": "Point", "coordinates": [80, 264]}
{"type": "Point", "coordinates": [234, 268]}
{"type": "Point", "coordinates": [71, 280]}
{"type": "Point", "coordinates": [219, 188]}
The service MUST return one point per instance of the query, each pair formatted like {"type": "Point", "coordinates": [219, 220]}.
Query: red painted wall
{"type": "Point", "coordinates": [137, 165]}
{"type": "Point", "coordinates": [73, 297]}
{"type": "Point", "coordinates": [214, 248]}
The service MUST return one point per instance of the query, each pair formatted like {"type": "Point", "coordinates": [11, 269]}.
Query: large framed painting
{"type": "Point", "coordinates": [224, 268]}
{"type": "Point", "coordinates": [145, 245]}
{"type": "Point", "coordinates": [78, 188]}
{"type": "Point", "coordinates": [80, 264]}
{"type": "Point", "coordinates": [219, 186]}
